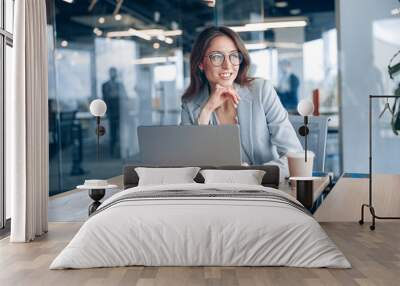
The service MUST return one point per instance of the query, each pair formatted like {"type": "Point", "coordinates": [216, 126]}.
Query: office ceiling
{"type": "Point", "coordinates": [76, 21]}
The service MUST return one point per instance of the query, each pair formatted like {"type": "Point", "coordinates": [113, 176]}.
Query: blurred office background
{"type": "Point", "coordinates": [135, 56]}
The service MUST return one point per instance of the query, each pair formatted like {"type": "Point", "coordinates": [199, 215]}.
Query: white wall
{"type": "Point", "coordinates": [363, 69]}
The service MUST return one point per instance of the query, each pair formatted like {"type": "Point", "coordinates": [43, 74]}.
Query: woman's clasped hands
{"type": "Point", "coordinates": [220, 95]}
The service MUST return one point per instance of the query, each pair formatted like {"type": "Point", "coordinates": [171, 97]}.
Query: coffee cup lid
{"type": "Point", "coordinates": [304, 178]}
{"type": "Point", "coordinates": [300, 154]}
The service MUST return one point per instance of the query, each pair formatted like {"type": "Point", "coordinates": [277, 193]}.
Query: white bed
{"type": "Point", "coordinates": [239, 228]}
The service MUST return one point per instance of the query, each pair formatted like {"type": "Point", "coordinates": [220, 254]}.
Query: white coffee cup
{"type": "Point", "coordinates": [297, 165]}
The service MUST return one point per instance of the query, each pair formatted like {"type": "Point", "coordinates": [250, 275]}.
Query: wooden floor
{"type": "Point", "coordinates": [375, 257]}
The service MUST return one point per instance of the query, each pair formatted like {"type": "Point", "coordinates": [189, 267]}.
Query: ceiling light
{"type": "Point", "coordinates": [395, 12]}
{"type": "Point", "coordinates": [64, 44]}
{"type": "Point", "coordinates": [288, 45]}
{"type": "Point", "coordinates": [267, 44]}
{"type": "Point", "coordinates": [256, 46]}
{"type": "Point", "coordinates": [209, 3]}
{"type": "Point", "coordinates": [97, 31]}
{"type": "Point", "coordinates": [145, 34]}
{"type": "Point", "coordinates": [118, 17]}
{"type": "Point", "coordinates": [101, 20]}
{"type": "Point", "coordinates": [269, 25]}
{"type": "Point", "coordinates": [169, 40]}
{"type": "Point", "coordinates": [156, 46]}
{"type": "Point", "coordinates": [139, 34]}
{"type": "Point", "coordinates": [295, 11]}
{"type": "Point", "coordinates": [281, 4]}
{"type": "Point", "coordinates": [159, 32]}
{"type": "Point", "coordinates": [274, 25]}
{"type": "Point", "coordinates": [172, 33]}
{"type": "Point", "coordinates": [153, 60]}
{"type": "Point", "coordinates": [129, 33]}
{"type": "Point", "coordinates": [69, 1]}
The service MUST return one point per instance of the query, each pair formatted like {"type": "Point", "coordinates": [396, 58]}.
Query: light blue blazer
{"type": "Point", "coordinates": [265, 131]}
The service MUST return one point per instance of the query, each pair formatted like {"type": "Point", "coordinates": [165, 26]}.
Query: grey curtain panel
{"type": "Point", "coordinates": [27, 123]}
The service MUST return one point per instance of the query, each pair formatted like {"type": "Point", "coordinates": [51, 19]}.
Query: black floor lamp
{"type": "Point", "coordinates": [304, 185]}
{"type": "Point", "coordinates": [305, 109]}
{"type": "Point", "coordinates": [98, 108]}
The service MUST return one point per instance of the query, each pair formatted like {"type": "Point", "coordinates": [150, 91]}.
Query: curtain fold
{"type": "Point", "coordinates": [27, 123]}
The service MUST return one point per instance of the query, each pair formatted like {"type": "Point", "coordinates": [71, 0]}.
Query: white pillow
{"type": "Point", "coordinates": [248, 177]}
{"type": "Point", "coordinates": [162, 176]}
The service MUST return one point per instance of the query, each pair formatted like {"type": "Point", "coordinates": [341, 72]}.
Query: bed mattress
{"type": "Point", "coordinates": [201, 225]}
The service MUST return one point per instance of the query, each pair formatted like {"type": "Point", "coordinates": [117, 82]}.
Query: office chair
{"type": "Point", "coordinates": [318, 126]}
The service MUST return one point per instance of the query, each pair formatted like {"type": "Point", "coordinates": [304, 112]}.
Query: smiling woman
{"type": "Point", "coordinates": [221, 73]}
{"type": "Point", "coordinates": [221, 92]}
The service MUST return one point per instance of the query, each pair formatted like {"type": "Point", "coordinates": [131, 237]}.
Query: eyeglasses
{"type": "Point", "coordinates": [218, 58]}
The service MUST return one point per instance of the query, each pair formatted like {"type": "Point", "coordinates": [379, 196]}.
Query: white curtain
{"type": "Point", "coordinates": [27, 123]}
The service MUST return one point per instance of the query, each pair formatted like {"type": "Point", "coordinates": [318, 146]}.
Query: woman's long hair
{"type": "Point", "coordinates": [197, 77]}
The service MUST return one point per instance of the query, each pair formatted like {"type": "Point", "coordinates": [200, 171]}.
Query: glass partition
{"type": "Point", "coordinates": [294, 45]}
{"type": "Point", "coordinates": [8, 70]}
{"type": "Point", "coordinates": [6, 42]}
{"type": "Point", "coordinates": [385, 135]}
{"type": "Point", "coordinates": [364, 71]}
{"type": "Point", "coordinates": [9, 15]}
{"type": "Point", "coordinates": [2, 111]}
{"type": "Point", "coordinates": [136, 58]}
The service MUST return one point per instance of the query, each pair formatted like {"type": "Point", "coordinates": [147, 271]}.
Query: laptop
{"type": "Point", "coordinates": [189, 145]}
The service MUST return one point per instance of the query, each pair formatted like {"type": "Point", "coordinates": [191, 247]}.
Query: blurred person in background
{"type": "Point", "coordinates": [113, 95]}
{"type": "Point", "coordinates": [288, 87]}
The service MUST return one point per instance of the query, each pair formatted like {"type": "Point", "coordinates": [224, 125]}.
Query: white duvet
{"type": "Point", "coordinates": [200, 231]}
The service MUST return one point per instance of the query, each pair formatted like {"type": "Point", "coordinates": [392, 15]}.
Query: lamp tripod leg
{"type": "Point", "coordinates": [361, 221]}
{"type": "Point", "coordinates": [372, 210]}
{"type": "Point", "coordinates": [98, 137]}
